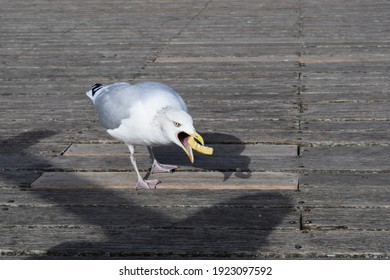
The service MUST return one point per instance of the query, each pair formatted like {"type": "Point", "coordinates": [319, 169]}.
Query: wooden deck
{"type": "Point", "coordinates": [293, 95]}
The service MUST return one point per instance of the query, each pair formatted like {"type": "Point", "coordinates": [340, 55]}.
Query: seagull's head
{"type": "Point", "coordinates": [179, 128]}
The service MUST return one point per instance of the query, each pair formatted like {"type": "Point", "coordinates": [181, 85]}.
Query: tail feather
{"type": "Point", "coordinates": [94, 89]}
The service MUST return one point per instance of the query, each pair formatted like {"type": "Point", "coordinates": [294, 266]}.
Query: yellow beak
{"type": "Point", "coordinates": [197, 136]}
{"type": "Point", "coordinates": [187, 147]}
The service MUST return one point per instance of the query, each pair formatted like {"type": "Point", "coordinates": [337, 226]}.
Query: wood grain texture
{"type": "Point", "coordinates": [347, 218]}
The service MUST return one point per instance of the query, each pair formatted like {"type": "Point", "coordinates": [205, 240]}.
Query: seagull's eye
{"type": "Point", "coordinates": [177, 124]}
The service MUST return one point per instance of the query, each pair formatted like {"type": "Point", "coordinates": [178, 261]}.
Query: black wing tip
{"type": "Point", "coordinates": [95, 88]}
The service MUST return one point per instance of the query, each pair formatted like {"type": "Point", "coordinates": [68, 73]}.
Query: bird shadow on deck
{"type": "Point", "coordinates": [228, 159]}
{"type": "Point", "coordinates": [104, 223]}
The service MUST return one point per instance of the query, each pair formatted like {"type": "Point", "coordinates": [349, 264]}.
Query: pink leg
{"type": "Point", "coordinates": [141, 184]}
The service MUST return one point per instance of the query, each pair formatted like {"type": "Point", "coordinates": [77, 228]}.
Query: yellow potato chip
{"type": "Point", "coordinates": [199, 148]}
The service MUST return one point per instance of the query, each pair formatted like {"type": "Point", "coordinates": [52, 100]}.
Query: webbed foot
{"type": "Point", "coordinates": [162, 168]}
{"type": "Point", "coordinates": [147, 184]}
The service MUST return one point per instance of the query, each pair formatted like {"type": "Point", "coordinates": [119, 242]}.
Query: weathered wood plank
{"type": "Point", "coordinates": [344, 196]}
{"type": "Point", "coordinates": [346, 158]}
{"type": "Point", "coordinates": [226, 59]}
{"type": "Point", "coordinates": [232, 49]}
{"type": "Point", "coordinates": [210, 243]}
{"type": "Point", "coordinates": [312, 158]}
{"type": "Point", "coordinates": [346, 126]}
{"type": "Point", "coordinates": [144, 217]}
{"type": "Point", "coordinates": [348, 111]}
{"type": "Point", "coordinates": [10, 179]}
{"type": "Point", "coordinates": [306, 59]}
{"type": "Point", "coordinates": [180, 180]}
{"type": "Point", "coordinates": [347, 218]}
{"type": "Point", "coordinates": [372, 159]}
{"type": "Point", "coordinates": [231, 157]}
{"type": "Point", "coordinates": [40, 149]}
{"type": "Point", "coordinates": [232, 163]}
{"type": "Point", "coordinates": [220, 149]}
{"type": "Point", "coordinates": [345, 190]}
{"type": "Point", "coordinates": [228, 135]}
{"type": "Point", "coordinates": [128, 198]}
{"type": "Point", "coordinates": [345, 138]}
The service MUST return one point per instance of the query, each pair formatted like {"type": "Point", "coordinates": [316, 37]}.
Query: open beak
{"type": "Point", "coordinates": [183, 139]}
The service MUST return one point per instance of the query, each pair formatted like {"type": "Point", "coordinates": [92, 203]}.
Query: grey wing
{"type": "Point", "coordinates": [113, 104]}
{"type": "Point", "coordinates": [155, 89]}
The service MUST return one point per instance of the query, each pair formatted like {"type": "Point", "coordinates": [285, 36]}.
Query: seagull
{"type": "Point", "coordinates": [146, 114]}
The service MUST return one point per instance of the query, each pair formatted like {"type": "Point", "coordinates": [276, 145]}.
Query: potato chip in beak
{"type": "Point", "coordinates": [200, 148]}
{"type": "Point", "coordinates": [194, 141]}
